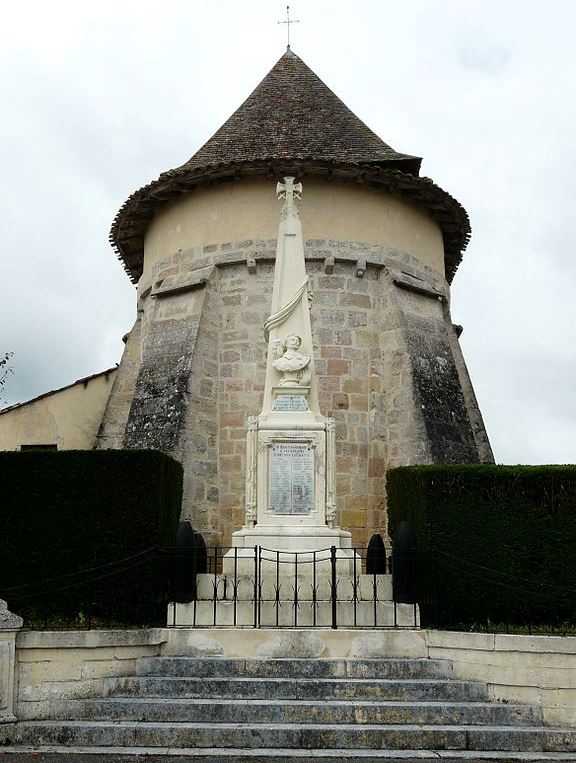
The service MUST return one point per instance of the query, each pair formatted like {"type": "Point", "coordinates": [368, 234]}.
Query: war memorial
{"type": "Point", "coordinates": [293, 347]}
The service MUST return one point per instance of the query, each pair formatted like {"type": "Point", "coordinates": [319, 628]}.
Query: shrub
{"type": "Point", "coordinates": [496, 543]}
{"type": "Point", "coordinates": [81, 531]}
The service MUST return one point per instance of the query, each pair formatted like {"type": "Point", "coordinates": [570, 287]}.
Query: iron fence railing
{"type": "Point", "coordinates": [94, 596]}
{"type": "Point", "coordinates": [260, 587]}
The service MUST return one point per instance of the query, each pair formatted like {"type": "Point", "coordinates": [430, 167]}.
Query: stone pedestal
{"type": "Point", "coordinates": [290, 446]}
{"type": "Point", "coordinates": [10, 624]}
{"type": "Point", "coordinates": [290, 486]}
{"type": "Point", "coordinates": [226, 600]}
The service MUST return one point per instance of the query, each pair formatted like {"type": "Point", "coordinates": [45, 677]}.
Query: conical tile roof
{"type": "Point", "coordinates": [292, 114]}
{"type": "Point", "coordinates": [292, 124]}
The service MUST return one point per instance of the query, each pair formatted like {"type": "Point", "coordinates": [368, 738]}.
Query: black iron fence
{"type": "Point", "coordinates": [330, 588]}
{"type": "Point", "coordinates": [260, 587]}
{"type": "Point", "coordinates": [457, 593]}
{"type": "Point", "coordinates": [95, 596]}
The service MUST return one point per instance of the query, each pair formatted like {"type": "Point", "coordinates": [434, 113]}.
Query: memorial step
{"type": "Point", "coordinates": [285, 735]}
{"type": "Point", "coordinates": [303, 614]}
{"type": "Point", "coordinates": [182, 667]}
{"type": "Point", "coordinates": [291, 710]}
{"type": "Point", "coordinates": [298, 712]}
{"type": "Point", "coordinates": [299, 688]}
{"type": "Point", "coordinates": [81, 754]}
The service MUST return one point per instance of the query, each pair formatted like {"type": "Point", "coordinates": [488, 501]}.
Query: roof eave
{"type": "Point", "coordinates": [130, 224]}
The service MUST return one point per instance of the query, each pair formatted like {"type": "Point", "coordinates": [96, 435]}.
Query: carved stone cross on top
{"type": "Point", "coordinates": [289, 190]}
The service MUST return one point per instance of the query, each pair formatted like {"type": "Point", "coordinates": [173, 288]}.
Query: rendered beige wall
{"type": "Point", "coordinates": [55, 666]}
{"type": "Point", "coordinates": [534, 670]}
{"type": "Point", "coordinates": [334, 210]}
{"type": "Point", "coordinates": [69, 417]}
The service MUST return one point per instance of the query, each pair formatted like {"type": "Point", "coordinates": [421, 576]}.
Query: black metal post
{"type": "Point", "coordinates": [333, 584]}
{"type": "Point", "coordinates": [296, 589]}
{"type": "Point", "coordinates": [355, 588]}
{"type": "Point", "coordinates": [314, 589]}
{"type": "Point", "coordinates": [260, 586]}
{"type": "Point", "coordinates": [375, 594]}
{"type": "Point", "coordinates": [277, 587]}
{"type": "Point", "coordinates": [394, 602]}
{"type": "Point", "coordinates": [235, 589]}
{"type": "Point", "coordinates": [215, 584]}
{"type": "Point", "coordinates": [416, 589]}
{"type": "Point", "coordinates": [255, 586]}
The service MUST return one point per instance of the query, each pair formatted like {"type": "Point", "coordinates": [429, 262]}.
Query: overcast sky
{"type": "Point", "coordinates": [99, 97]}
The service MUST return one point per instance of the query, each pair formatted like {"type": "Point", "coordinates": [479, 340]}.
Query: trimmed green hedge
{"type": "Point", "coordinates": [81, 531]}
{"type": "Point", "coordinates": [497, 544]}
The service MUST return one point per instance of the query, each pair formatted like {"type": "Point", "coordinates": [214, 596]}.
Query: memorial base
{"type": "Point", "coordinates": [292, 537]}
{"type": "Point", "coordinates": [363, 601]}
{"type": "Point", "coordinates": [283, 543]}
{"type": "Point", "coordinates": [308, 614]}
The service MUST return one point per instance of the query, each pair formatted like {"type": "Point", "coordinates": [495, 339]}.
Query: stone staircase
{"type": "Point", "coordinates": [217, 709]}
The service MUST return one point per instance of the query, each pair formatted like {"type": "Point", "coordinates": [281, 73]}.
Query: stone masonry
{"type": "Point", "coordinates": [387, 358]}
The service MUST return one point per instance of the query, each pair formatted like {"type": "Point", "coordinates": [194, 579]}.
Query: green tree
{"type": "Point", "coordinates": [5, 370]}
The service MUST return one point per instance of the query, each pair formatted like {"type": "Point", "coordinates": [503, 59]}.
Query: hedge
{"type": "Point", "coordinates": [81, 531]}
{"type": "Point", "coordinates": [496, 544]}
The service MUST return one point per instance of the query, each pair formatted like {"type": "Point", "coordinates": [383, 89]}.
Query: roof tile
{"type": "Point", "coordinates": [291, 124]}
{"type": "Point", "coordinates": [293, 114]}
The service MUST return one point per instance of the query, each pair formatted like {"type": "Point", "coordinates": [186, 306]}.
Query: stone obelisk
{"type": "Point", "coordinates": [290, 378]}
{"type": "Point", "coordinates": [290, 448]}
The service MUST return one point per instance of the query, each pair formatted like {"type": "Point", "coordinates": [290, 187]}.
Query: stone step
{"type": "Point", "coordinates": [226, 613]}
{"type": "Point", "coordinates": [309, 737]}
{"type": "Point", "coordinates": [80, 754]}
{"type": "Point", "coordinates": [182, 667]}
{"type": "Point", "coordinates": [265, 711]}
{"type": "Point", "coordinates": [300, 688]}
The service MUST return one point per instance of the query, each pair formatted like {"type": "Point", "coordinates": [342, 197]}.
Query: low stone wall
{"type": "Point", "coordinates": [535, 670]}
{"type": "Point", "coordinates": [56, 665]}
{"type": "Point", "coordinates": [268, 643]}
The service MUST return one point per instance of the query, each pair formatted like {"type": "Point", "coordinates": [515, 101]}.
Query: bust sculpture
{"type": "Point", "coordinates": [293, 366]}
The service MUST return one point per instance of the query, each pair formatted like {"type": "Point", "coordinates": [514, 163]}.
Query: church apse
{"type": "Point", "coordinates": [381, 246]}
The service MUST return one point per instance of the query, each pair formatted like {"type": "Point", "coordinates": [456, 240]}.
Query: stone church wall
{"type": "Point", "coordinates": [344, 210]}
{"type": "Point", "coordinates": [387, 358]}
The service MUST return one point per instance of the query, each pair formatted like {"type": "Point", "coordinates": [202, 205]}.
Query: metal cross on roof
{"type": "Point", "coordinates": [288, 22]}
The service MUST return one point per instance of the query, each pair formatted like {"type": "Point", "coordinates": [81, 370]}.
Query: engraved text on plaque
{"type": "Point", "coordinates": [291, 478]}
{"type": "Point", "coordinates": [290, 403]}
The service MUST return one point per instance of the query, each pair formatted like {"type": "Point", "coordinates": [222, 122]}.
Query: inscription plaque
{"type": "Point", "coordinates": [290, 403]}
{"type": "Point", "coordinates": [291, 478]}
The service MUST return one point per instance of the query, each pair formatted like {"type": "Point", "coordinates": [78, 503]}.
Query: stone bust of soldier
{"type": "Point", "coordinates": [293, 366]}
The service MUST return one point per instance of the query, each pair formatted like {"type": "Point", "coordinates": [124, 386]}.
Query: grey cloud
{"type": "Point", "coordinates": [488, 57]}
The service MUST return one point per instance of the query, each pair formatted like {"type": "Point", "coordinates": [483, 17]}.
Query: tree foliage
{"type": "Point", "coordinates": [5, 370]}
{"type": "Point", "coordinates": [501, 538]}
{"type": "Point", "coordinates": [81, 532]}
